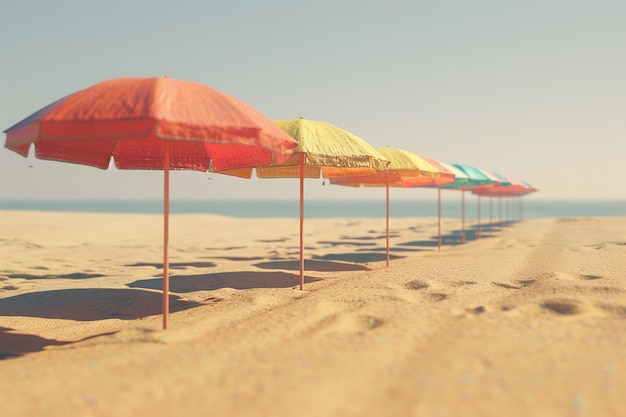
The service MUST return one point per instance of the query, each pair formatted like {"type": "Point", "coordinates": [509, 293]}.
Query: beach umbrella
{"type": "Point", "coordinates": [528, 189]}
{"type": "Point", "coordinates": [406, 170]}
{"type": "Point", "coordinates": [500, 188]}
{"type": "Point", "coordinates": [476, 176]}
{"type": "Point", "coordinates": [477, 179]}
{"type": "Point", "coordinates": [446, 176]}
{"type": "Point", "coordinates": [466, 177]}
{"type": "Point", "coordinates": [154, 123]}
{"type": "Point", "coordinates": [502, 181]}
{"type": "Point", "coordinates": [515, 193]}
{"type": "Point", "coordinates": [507, 187]}
{"type": "Point", "coordinates": [461, 181]}
{"type": "Point", "coordinates": [494, 182]}
{"type": "Point", "coordinates": [324, 150]}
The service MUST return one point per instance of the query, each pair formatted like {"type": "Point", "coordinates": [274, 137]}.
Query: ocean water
{"type": "Point", "coordinates": [451, 207]}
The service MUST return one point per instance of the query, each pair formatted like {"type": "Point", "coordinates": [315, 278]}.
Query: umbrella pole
{"type": "Point", "coordinates": [512, 206]}
{"type": "Point", "coordinates": [511, 209]}
{"type": "Point", "coordinates": [439, 218]}
{"type": "Point", "coordinates": [507, 209]}
{"type": "Point", "coordinates": [301, 220]}
{"type": "Point", "coordinates": [478, 215]}
{"type": "Point", "coordinates": [166, 232]}
{"type": "Point", "coordinates": [387, 214]}
{"type": "Point", "coordinates": [463, 216]}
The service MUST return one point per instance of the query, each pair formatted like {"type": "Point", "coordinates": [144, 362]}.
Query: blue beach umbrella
{"type": "Point", "coordinates": [469, 177]}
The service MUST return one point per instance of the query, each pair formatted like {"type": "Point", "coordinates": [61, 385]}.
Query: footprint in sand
{"type": "Point", "coordinates": [505, 285]}
{"type": "Point", "coordinates": [436, 296]}
{"type": "Point", "coordinates": [9, 288]}
{"type": "Point", "coordinates": [416, 285]}
{"type": "Point", "coordinates": [433, 296]}
{"type": "Point", "coordinates": [525, 282]}
{"type": "Point", "coordinates": [354, 324]}
{"type": "Point", "coordinates": [521, 283]}
{"type": "Point", "coordinates": [478, 310]}
{"type": "Point", "coordinates": [371, 322]}
{"type": "Point", "coordinates": [613, 309]}
{"type": "Point", "coordinates": [345, 323]}
{"type": "Point", "coordinates": [563, 307]}
{"type": "Point", "coordinates": [588, 277]}
{"type": "Point", "coordinates": [606, 244]}
{"type": "Point", "coordinates": [462, 283]}
{"type": "Point", "coordinates": [560, 307]}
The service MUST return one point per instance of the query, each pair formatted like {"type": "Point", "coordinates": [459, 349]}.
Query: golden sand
{"type": "Point", "coordinates": [529, 320]}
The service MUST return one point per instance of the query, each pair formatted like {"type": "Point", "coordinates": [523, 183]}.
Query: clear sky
{"type": "Point", "coordinates": [535, 89]}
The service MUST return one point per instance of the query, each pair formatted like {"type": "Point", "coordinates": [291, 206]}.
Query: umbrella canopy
{"type": "Point", "coordinates": [508, 186]}
{"type": "Point", "coordinates": [406, 169]}
{"type": "Point", "coordinates": [504, 181]}
{"type": "Point", "coordinates": [495, 180]}
{"type": "Point", "coordinates": [328, 151]}
{"type": "Point", "coordinates": [323, 150]}
{"type": "Point", "coordinates": [476, 177]}
{"type": "Point", "coordinates": [461, 180]}
{"type": "Point", "coordinates": [528, 188]}
{"type": "Point", "coordinates": [152, 123]}
{"type": "Point", "coordinates": [131, 120]}
{"type": "Point", "coordinates": [445, 176]}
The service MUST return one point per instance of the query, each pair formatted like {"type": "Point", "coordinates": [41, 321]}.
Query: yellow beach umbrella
{"type": "Point", "coordinates": [406, 169]}
{"type": "Point", "coordinates": [323, 150]}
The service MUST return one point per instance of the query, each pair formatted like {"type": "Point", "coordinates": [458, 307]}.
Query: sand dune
{"type": "Point", "coordinates": [530, 319]}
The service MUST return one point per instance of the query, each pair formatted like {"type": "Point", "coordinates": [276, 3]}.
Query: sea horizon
{"type": "Point", "coordinates": [451, 207]}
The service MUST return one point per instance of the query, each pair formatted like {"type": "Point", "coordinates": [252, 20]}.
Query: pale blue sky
{"type": "Point", "coordinates": [534, 89]}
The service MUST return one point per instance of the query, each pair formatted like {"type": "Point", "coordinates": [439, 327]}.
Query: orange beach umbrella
{"type": "Point", "coordinates": [406, 169]}
{"type": "Point", "coordinates": [152, 123]}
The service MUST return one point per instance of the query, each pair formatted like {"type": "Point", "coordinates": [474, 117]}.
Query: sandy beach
{"type": "Point", "coordinates": [528, 320]}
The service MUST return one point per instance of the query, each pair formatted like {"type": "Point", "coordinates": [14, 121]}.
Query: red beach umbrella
{"type": "Point", "coordinates": [507, 187]}
{"type": "Point", "coordinates": [154, 123]}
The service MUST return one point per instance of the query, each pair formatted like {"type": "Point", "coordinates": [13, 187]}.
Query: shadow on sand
{"type": "Point", "coordinates": [241, 280]}
{"type": "Point", "coordinates": [311, 265]}
{"type": "Point", "coordinates": [13, 345]}
{"type": "Point", "coordinates": [455, 237]}
{"type": "Point", "coordinates": [177, 265]}
{"type": "Point", "coordinates": [359, 258]}
{"type": "Point", "coordinates": [76, 275]}
{"type": "Point", "coordinates": [89, 304]}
